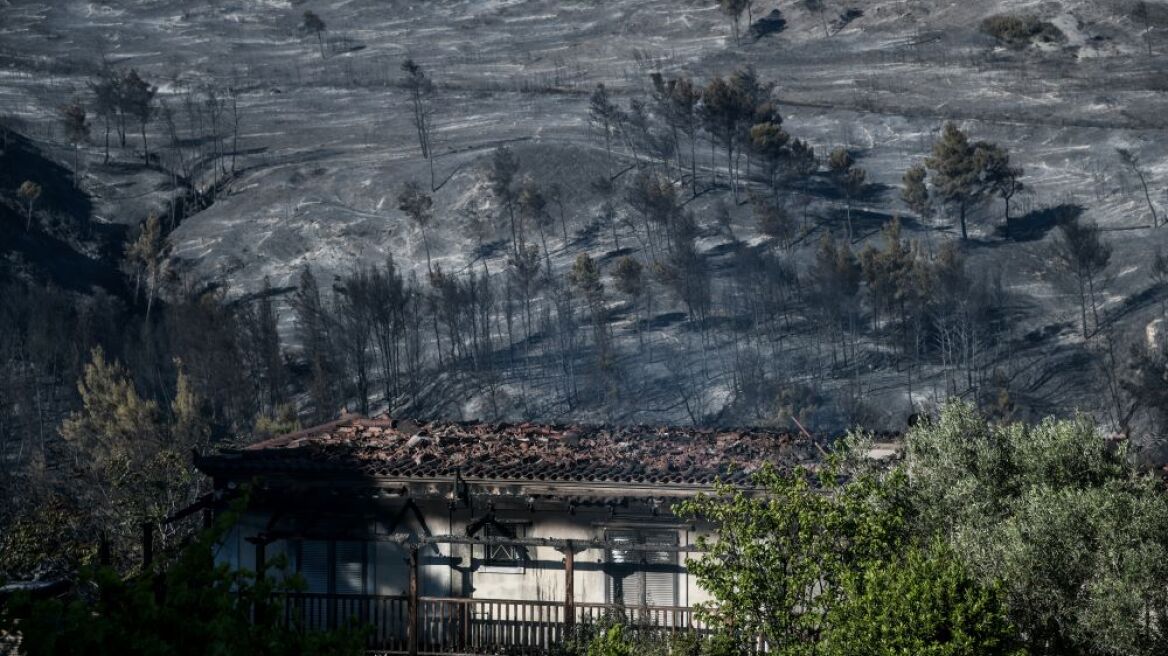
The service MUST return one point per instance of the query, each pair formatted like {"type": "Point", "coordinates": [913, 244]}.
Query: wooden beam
{"type": "Point", "coordinates": [260, 558]}
{"type": "Point", "coordinates": [569, 587]}
{"type": "Point", "coordinates": [559, 544]}
{"type": "Point", "coordinates": [412, 610]}
{"type": "Point", "coordinates": [405, 539]}
{"type": "Point", "coordinates": [210, 501]}
{"type": "Point", "coordinates": [259, 609]}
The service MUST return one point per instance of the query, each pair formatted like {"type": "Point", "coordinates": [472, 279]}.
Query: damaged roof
{"type": "Point", "coordinates": [416, 450]}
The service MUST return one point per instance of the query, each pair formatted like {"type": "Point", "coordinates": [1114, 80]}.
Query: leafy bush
{"type": "Point", "coordinates": [625, 640]}
{"type": "Point", "coordinates": [192, 608]}
{"type": "Point", "coordinates": [777, 566]}
{"type": "Point", "coordinates": [925, 603]}
{"type": "Point", "coordinates": [1020, 30]}
{"type": "Point", "coordinates": [611, 642]}
{"type": "Point", "coordinates": [612, 636]}
{"type": "Point", "coordinates": [1054, 511]}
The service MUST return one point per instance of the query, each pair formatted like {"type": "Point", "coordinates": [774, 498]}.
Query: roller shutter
{"type": "Point", "coordinates": [641, 578]}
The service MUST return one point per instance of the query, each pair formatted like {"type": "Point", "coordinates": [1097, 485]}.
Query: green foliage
{"type": "Point", "coordinates": [783, 549]}
{"type": "Point", "coordinates": [613, 636]}
{"type": "Point", "coordinates": [1020, 30]}
{"type": "Point", "coordinates": [840, 562]}
{"type": "Point", "coordinates": [629, 276]}
{"type": "Point", "coordinates": [956, 178]}
{"type": "Point", "coordinates": [131, 464]}
{"type": "Point", "coordinates": [44, 536]}
{"type": "Point", "coordinates": [771, 143]}
{"type": "Point", "coordinates": [1054, 511]}
{"type": "Point", "coordinates": [924, 602]}
{"type": "Point", "coordinates": [283, 420]}
{"type": "Point", "coordinates": [840, 160]}
{"type": "Point", "coordinates": [118, 437]}
{"type": "Point", "coordinates": [585, 276]}
{"type": "Point", "coordinates": [914, 192]}
{"type": "Point", "coordinates": [611, 642]}
{"type": "Point", "coordinates": [193, 607]}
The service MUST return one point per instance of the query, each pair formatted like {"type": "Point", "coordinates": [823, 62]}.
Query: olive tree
{"type": "Point", "coordinates": [1056, 512]}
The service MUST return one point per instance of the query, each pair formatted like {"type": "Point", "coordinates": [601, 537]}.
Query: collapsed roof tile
{"type": "Point", "coordinates": [500, 452]}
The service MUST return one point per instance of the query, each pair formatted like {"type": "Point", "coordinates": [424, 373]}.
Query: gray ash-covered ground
{"type": "Point", "coordinates": [326, 142]}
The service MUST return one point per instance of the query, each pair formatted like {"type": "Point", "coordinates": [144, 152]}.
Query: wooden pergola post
{"type": "Point", "coordinates": [569, 587]}
{"type": "Point", "coordinates": [412, 609]}
{"type": "Point", "coordinates": [260, 557]}
{"type": "Point", "coordinates": [260, 542]}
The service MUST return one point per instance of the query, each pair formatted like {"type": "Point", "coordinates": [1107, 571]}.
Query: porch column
{"type": "Point", "coordinates": [260, 542]}
{"type": "Point", "coordinates": [569, 586]}
{"type": "Point", "coordinates": [412, 609]}
{"type": "Point", "coordinates": [260, 557]}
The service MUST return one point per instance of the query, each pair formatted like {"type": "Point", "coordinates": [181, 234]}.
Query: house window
{"type": "Point", "coordinates": [641, 577]}
{"type": "Point", "coordinates": [334, 566]}
{"type": "Point", "coordinates": [507, 558]}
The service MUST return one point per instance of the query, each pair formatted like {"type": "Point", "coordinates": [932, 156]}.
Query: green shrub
{"type": "Point", "coordinates": [192, 607]}
{"type": "Point", "coordinates": [1053, 511]}
{"type": "Point", "coordinates": [614, 637]}
{"type": "Point", "coordinates": [774, 569]}
{"type": "Point", "coordinates": [611, 643]}
{"type": "Point", "coordinates": [1021, 30]}
{"type": "Point", "coordinates": [925, 603]}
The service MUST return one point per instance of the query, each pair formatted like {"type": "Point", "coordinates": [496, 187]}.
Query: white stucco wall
{"type": "Point", "coordinates": [541, 578]}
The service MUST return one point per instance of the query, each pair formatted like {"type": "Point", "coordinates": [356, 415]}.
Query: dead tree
{"type": "Point", "coordinates": [1132, 161]}
{"type": "Point", "coordinates": [421, 88]}
{"type": "Point", "coordinates": [1081, 254]}
{"type": "Point", "coordinates": [312, 24]}
{"type": "Point", "coordinates": [76, 123]}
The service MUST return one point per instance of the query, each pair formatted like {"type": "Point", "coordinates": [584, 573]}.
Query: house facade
{"type": "Point", "coordinates": [450, 536]}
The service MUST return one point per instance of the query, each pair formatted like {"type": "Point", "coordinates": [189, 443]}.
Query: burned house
{"type": "Point", "coordinates": [449, 536]}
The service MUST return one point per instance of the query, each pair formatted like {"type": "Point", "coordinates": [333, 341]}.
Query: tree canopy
{"type": "Point", "coordinates": [190, 607]}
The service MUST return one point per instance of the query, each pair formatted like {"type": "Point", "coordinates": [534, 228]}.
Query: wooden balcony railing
{"type": "Point", "coordinates": [452, 625]}
{"type": "Point", "coordinates": [413, 624]}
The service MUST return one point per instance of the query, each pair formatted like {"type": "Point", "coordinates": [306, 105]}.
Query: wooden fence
{"type": "Point", "coordinates": [454, 625]}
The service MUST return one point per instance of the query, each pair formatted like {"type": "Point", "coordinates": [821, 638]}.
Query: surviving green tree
{"type": "Point", "coordinates": [960, 173]}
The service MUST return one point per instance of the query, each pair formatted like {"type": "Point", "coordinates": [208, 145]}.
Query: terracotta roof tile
{"type": "Point", "coordinates": [483, 451]}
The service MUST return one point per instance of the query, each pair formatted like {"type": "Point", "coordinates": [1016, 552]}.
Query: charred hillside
{"type": "Point", "coordinates": [606, 212]}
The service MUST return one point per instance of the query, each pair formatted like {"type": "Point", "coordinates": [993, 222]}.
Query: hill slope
{"type": "Point", "coordinates": [325, 141]}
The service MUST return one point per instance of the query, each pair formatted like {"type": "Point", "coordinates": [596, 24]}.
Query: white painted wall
{"type": "Point", "coordinates": [541, 578]}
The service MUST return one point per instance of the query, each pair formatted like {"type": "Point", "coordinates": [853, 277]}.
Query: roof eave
{"type": "Point", "coordinates": [536, 487]}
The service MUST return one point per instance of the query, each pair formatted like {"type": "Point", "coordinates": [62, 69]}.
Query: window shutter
{"type": "Point", "coordinates": [625, 583]}
{"type": "Point", "coordinates": [621, 557]}
{"type": "Point", "coordinates": [642, 578]}
{"type": "Point", "coordinates": [227, 551]}
{"type": "Point", "coordinates": [314, 565]}
{"type": "Point", "coordinates": [350, 568]}
{"type": "Point", "coordinates": [660, 570]}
